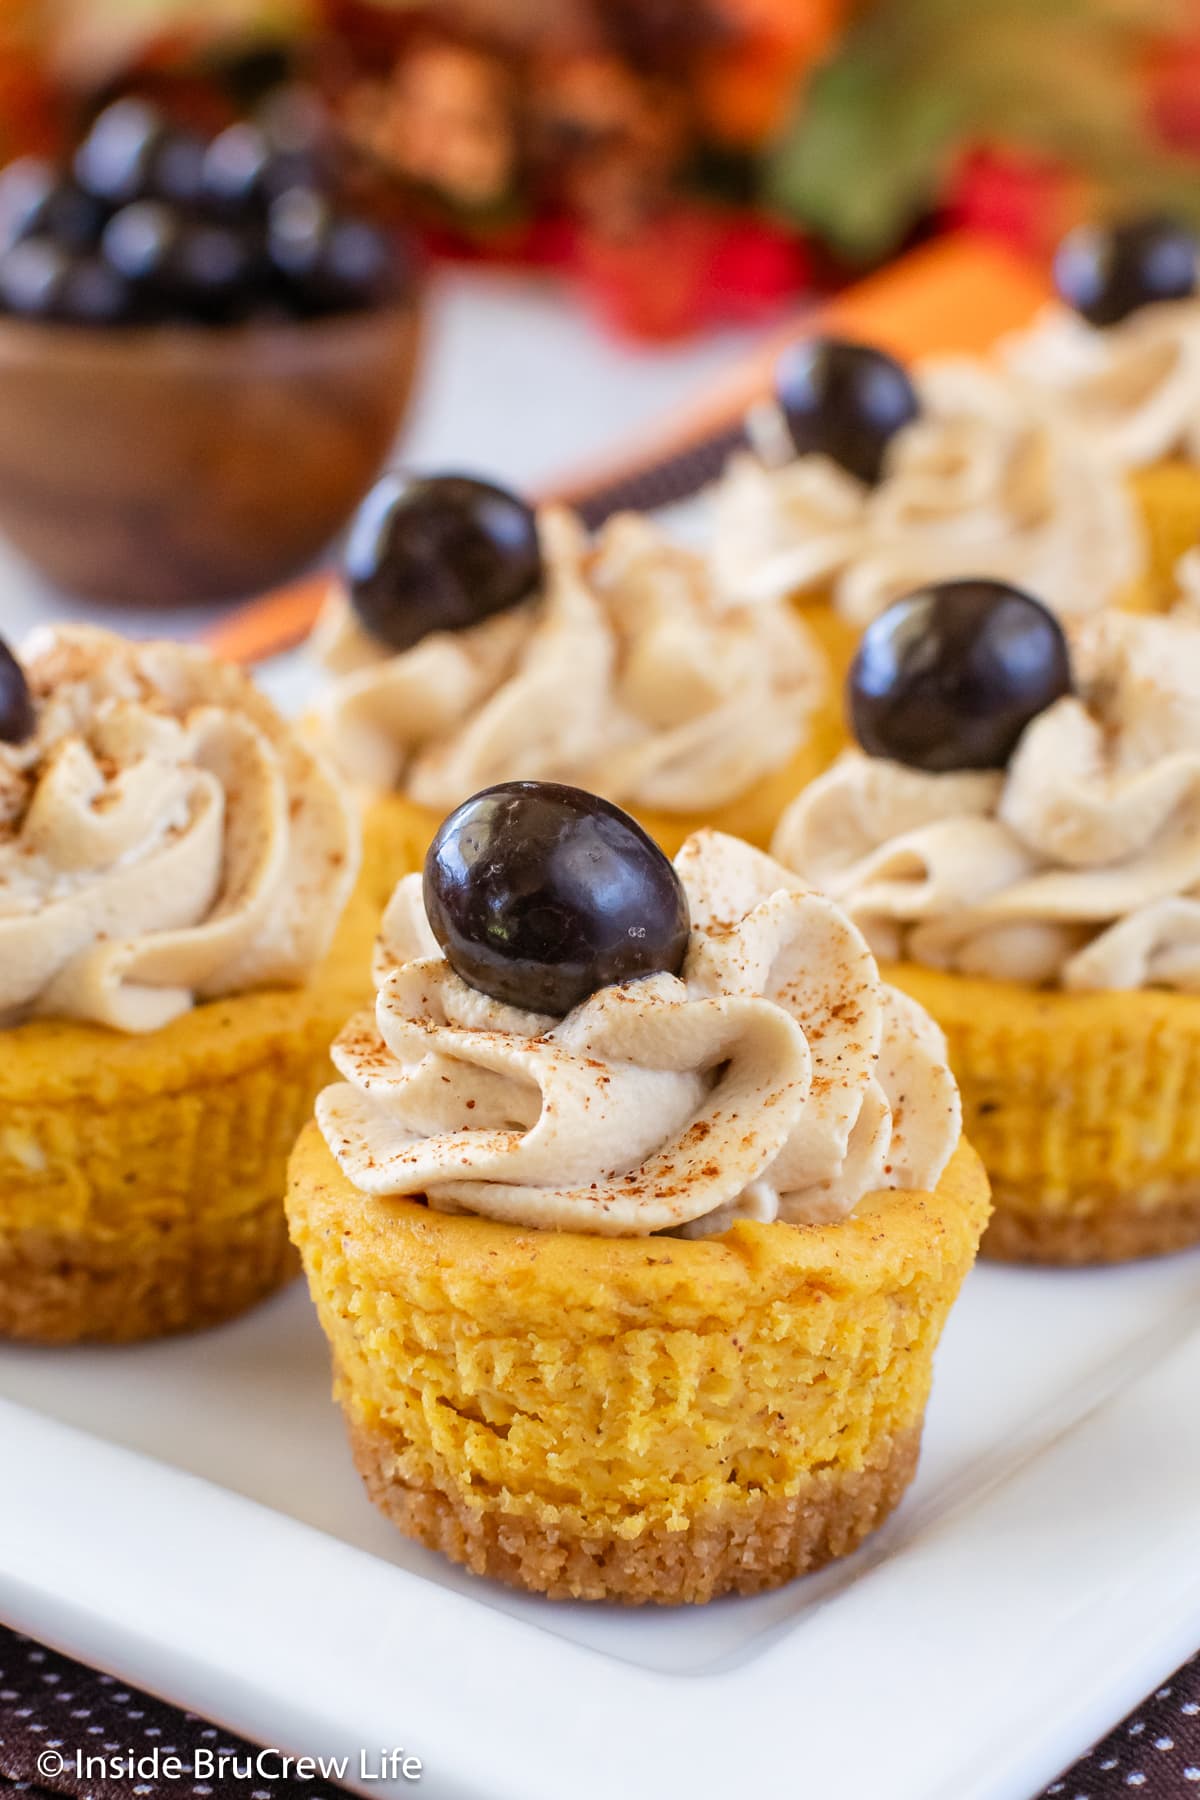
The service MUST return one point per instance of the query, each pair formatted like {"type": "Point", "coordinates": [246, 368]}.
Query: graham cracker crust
{"type": "Point", "coordinates": [65, 1288]}
{"type": "Point", "coordinates": [1112, 1229]}
{"type": "Point", "coordinates": [738, 1549]}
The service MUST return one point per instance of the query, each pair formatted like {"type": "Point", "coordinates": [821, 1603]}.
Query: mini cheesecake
{"type": "Point", "coordinates": [1017, 837]}
{"type": "Point", "coordinates": [1117, 360]}
{"type": "Point", "coordinates": [176, 954]}
{"type": "Point", "coordinates": [635, 1219]}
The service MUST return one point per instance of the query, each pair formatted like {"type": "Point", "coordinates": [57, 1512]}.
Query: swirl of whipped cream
{"type": "Point", "coordinates": [622, 675]}
{"type": "Point", "coordinates": [1078, 865]}
{"type": "Point", "coordinates": [165, 838]}
{"type": "Point", "coordinates": [776, 1078]}
{"type": "Point", "coordinates": [982, 483]}
{"type": "Point", "coordinates": [1132, 389]}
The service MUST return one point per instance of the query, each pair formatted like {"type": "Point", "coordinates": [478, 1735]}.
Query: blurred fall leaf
{"type": "Point", "coordinates": [912, 82]}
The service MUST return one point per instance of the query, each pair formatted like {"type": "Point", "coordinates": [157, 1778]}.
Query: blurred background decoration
{"type": "Point", "coordinates": [685, 162]}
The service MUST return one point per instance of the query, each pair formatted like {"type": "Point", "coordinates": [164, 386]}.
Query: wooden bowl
{"type": "Point", "coordinates": [175, 464]}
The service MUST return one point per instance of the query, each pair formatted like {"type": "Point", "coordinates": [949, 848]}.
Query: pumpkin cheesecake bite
{"type": "Point", "coordinates": [174, 864]}
{"type": "Point", "coordinates": [1018, 836]}
{"type": "Point", "coordinates": [638, 1212]}
{"type": "Point", "coordinates": [1117, 356]}
{"type": "Point", "coordinates": [866, 481]}
{"type": "Point", "coordinates": [473, 641]}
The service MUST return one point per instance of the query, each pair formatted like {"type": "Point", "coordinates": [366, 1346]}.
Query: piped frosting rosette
{"type": "Point", "coordinates": [776, 1078]}
{"type": "Point", "coordinates": [982, 483]}
{"type": "Point", "coordinates": [164, 837]}
{"type": "Point", "coordinates": [1132, 389]}
{"type": "Point", "coordinates": [1078, 865]}
{"type": "Point", "coordinates": [624, 675]}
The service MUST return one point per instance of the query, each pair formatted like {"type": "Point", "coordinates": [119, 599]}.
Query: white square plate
{"type": "Point", "coordinates": [186, 1515]}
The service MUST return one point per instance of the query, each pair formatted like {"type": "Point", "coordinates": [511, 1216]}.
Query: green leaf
{"type": "Point", "coordinates": [864, 156]}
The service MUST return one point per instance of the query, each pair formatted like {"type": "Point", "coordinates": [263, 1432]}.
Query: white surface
{"type": "Point", "coordinates": [1039, 1580]}
{"type": "Point", "coordinates": [516, 383]}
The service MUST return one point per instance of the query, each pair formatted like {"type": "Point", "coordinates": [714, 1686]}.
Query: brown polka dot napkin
{"type": "Point", "coordinates": [665, 483]}
{"type": "Point", "coordinates": [1154, 1753]}
{"type": "Point", "coordinates": [48, 1703]}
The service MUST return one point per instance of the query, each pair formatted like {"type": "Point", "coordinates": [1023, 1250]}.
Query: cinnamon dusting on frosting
{"type": "Point", "coordinates": [1079, 865]}
{"type": "Point", "coordinates": [764, 1082]}
{"type": "Point", "coordinates": [984, 482]}
{"type": "Point", "coordinates": [624, 675]}
{"type": "Point", "coordinates": [164, 837]}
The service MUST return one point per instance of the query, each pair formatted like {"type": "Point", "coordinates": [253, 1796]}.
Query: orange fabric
{"type": "Point", "coordinates": [279, 621]}
{"type": "Point", "coordinates": [958, 293]}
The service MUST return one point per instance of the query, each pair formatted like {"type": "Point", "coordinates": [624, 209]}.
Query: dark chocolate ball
{"type": "Point", "coordinates": [300, 136]}
{"type": "Point", "coordinates": [541, 894]}
{"type": "Point", "coordinates": [331, 261]}
{"type": "Point", "coordinates": [94, 294]}
{"type": "Point", "coordinates": [217, 271]}
{"type": "Point", "coordinates": [26, 189]}
{"type": "Point", "coordinates": [235, 168]}
{"type": "Point", "coordinates": [845, 401]}
{"type": "Point", "coordinates": [1107, 272]}
{"type": "Point", "coordinates": [37, 201]}
{"type": "Point", "coordinates": [115, 162]}
{"type": "Point", "coordinates": [141, 242]}
{"type": "Point", "coordinates": [177, 174]}
{"type": "Point", "coordinates": [33, 278]}
{"type": "Point", "coordinates": [950, 676]}
{"type": "Point", "coordinates": [438, 553]}
{"type": "Point", "coordinates": [16, 704]}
